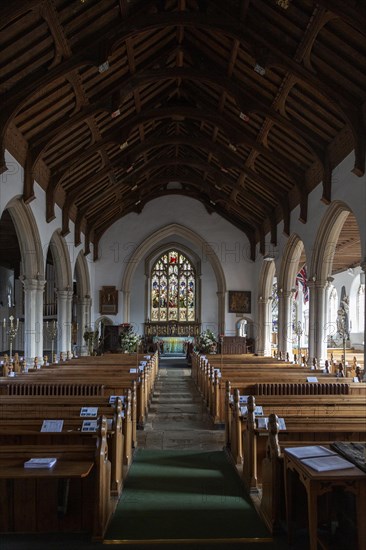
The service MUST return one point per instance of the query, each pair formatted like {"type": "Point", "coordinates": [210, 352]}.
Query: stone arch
{"type": "Point", "coordinates": [152, 242]}
{"type": "Point", "coordinates": [326, 240]}
{"type": "Point", "coordinates": [263, 333]}
{"type": "Point", "coordinates": [320, 274]}
{"type": "Point", "coordinates": [28, 238]}
{"type": "Point", "coordinates": [82, 275]}
{"type": "Point", "coordinates": [61, 257]}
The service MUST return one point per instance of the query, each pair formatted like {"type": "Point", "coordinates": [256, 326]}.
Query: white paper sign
{"type": "Point", "coordinates": [52, 426]}
{"type": "Point", "coordinates": [113, 398]}
{"type": "Point", "coordinates": [89, 426]}
{"type": "Point", "coordinates": [312, 379]}
{"type": "Point", "coordinates": [89, 412]}
{"type": "Point", "coordinates": [133, 371]}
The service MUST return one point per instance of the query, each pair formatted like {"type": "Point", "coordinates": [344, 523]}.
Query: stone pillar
{"type": "Point", "coordinates": [220, 312]}
{"type": "Point", "coordinates": [284, 323]}
{"type": "Point", "coordinates": [126, 306]}
{"type": "Point", "coordinates": [263, 346]}
{"type": "Point", "coordinates": [39, 319]}
{"type": "Point", "coordinates": [30, 317]}
{"type": "Point", "coordinates": [83, 319]}
{"type": "Point", "coordinates": [64, 304]}
{"type": "Point", "coordinates": [317, 324]}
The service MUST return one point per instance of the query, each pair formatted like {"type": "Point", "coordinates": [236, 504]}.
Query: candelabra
{"type": "Point", "coordinates": [52, 333]}
{"type": "Point", "coordinates": [298, 330]}
{"type": "Point", "coordinates": [12, 331]}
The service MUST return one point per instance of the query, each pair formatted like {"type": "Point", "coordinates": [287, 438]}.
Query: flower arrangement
{"type": "Point", "coordinates": [91, 338]}
{"type": "Point", "coordinates": [129, 340]}
{"type": "Point", "coordinates": [206, 342]}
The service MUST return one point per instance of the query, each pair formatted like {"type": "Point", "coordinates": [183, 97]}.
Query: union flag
{"type": "Point", "coordinates": [302, 278]}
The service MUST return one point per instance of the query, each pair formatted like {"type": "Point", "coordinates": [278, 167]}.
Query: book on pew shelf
{"type": "Point", "coordinates": [133, 371]}
{"type": "Point", "coordinates": [243, 398]}
{"type": "Point", "coordinates": [262, 423]}
{"type": "Point", "coordinates": [89, 426]}
{"type": "Point", "coordinates": [113, 399]}
{"type": "Point", "coordinates": [52, 426]}
{"type": "Point", "coordinates": [89, 412]}
{"type": "Point", "coordinates": [327, 463]}
{"type": "Point", "coordinates": [309, 451]}
{"type": "Point", "coordinates": [40, 463]}
{"type": "Point", "coordinates": [312, 379]}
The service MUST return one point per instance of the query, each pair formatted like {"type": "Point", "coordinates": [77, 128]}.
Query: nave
{"type": "Point", "coordinates": [178, 425]}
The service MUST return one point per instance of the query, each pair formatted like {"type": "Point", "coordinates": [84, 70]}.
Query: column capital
{"type": "Point", "coordinates": [29, 284]}
{"type": "Point", "coordinates": [64, 293]}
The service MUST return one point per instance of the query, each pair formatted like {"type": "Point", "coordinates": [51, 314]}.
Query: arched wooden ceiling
{"type": "Point", "coordinates": [244, 105]}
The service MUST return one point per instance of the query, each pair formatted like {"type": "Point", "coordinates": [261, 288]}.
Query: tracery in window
{"type": "Point", "coordinates": [173, 288]}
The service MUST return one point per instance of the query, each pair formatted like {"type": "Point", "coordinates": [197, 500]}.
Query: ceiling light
{"type": "Point", "coordinates": [136, 203]}
{"type": "Point", "coordinates": [213, 203]}
{"type": "Point", "coordinates": [244, 117]}
{"type": "Point", "coordinates": [284, 4]}
{"type": "Point", "coordinates": [104, 67]}
{"type": "Point", "coordinates": [134, 187]}
{"type": "Point", "coordinates": [259, 69]}
{"type": "Point", "coordinates": [218, 187]}
{"type": "Point", "coordinates": [223, 169]}
{"type": "Point", "coordinates": [123, 145]}
{"type": "Point", "coordinates": [116, 113]}
{"type": "Point", "coordinates": [232, 147]}
{"type": "Point", "coordinates": [129, 169]}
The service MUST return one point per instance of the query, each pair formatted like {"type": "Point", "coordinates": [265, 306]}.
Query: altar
{"type": "Point", "coordinates": [172, 344]}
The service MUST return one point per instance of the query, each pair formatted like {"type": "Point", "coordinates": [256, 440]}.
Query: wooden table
{"type": "Point", "coordinates": [319, 483]}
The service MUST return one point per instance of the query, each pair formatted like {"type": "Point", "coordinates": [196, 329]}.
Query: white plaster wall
{"type": "Point", "coordinates": [229, 243]}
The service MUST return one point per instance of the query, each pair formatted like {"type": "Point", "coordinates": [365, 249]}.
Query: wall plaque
{"type": "Point", "coordinates": [108, 300]}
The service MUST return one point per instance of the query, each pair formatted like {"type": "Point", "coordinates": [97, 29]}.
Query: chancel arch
{"type": "Point", "coordinates": [151, 245]}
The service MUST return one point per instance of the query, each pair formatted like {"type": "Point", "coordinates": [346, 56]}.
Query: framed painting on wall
{"type": "Point", "coordinates": [108, 300]}
{"type": "Point", "coordinates": [239, 301]}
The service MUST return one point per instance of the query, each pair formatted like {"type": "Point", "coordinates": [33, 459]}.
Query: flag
{"type": "Point", "coordinates": [301, 278]}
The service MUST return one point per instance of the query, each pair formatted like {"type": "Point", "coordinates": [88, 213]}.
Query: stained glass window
{"type": "Point", "coordinates": [173, 288]}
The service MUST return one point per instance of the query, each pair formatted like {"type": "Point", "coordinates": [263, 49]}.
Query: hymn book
{"type": "Point", "coordinates": [319, 458]}
{"type": "Point", "coordinates": [40, 463]}
{"type": "Point", "coordinates": [52, 426]}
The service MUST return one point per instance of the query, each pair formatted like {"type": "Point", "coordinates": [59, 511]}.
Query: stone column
{"type": "Point", "coordinates": [30, 316]}
{"type": "Point", "coordinates": [64, 303]}
{"type": "Point", "coordinates": [284, 323]}
{"type": "Point", "coordinates": [39, 319]}
{"type": "Point", "coordinates": [317, 325]}
{"type": "Point", "coordinates": [264, 326]}
{"type": "Point", "coordinates": [126, 306]}
{"type": "Point", "coordinates": [220, 312]}
{"type": "Point", "coordinates": [83, 319]}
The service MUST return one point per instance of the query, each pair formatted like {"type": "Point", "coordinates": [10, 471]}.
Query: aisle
{"type": "Point", "coordinates": [177, 417]}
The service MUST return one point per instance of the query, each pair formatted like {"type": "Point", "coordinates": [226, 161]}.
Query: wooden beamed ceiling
{"type": "Point", "coordinates": [245, 105]}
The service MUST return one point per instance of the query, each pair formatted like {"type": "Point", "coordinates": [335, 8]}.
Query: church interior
{"type": "Point", "coordinates": [182, 273]}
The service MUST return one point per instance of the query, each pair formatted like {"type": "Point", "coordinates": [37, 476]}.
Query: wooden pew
{"type": "Point", "coordinates": [306, 423]}
{"type": "Point", "coordinates": [21, 419]}
{"type": "Point", "coordinates": [29, 497]}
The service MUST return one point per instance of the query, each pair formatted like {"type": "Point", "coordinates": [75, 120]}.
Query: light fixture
{"type": "Point", "coordinates": [123, 145]}
{"type": "Point", "coordinates": [232, 147]}
{"type": "Point", "coordinates": [268, 257]}
{"type": "Point", "coordinates": [134, 187]}
{"type": "Point", "coordinates": [137, 203]}
{"type": "Point", "coordinates": [259, 69]}
{"type": "Point", "coordinates": [213, 203]}
{"type": "Point", "coordinates": [284, 4]}
{"type": "Point", "coordinates": [116, 113]}
{"type": "Point", "coordinates": [244, 117]}
{"type": "Point", "coordinates": [223, 169]}
{"type": "Point", "coordinates": [129, 169]}
{"type": "Point", "coordinates": [104, 67]}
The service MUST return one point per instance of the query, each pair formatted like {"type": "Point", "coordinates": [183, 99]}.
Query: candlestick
{"type": "Point", "coordinates": [12, 331]}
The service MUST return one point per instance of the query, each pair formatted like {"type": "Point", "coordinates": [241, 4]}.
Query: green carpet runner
{"type": "Point", "coordinates": [184, 496]}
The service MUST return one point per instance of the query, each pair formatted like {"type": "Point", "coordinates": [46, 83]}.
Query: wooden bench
{"type": "Point", "coordinates": [29, 498]}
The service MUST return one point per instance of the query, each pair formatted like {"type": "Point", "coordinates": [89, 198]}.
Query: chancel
{"type": "Point", "coordinates": [182, 258]}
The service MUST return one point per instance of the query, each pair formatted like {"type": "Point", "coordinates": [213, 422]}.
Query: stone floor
{"type": "Point", "coordinates": [178, 418]}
